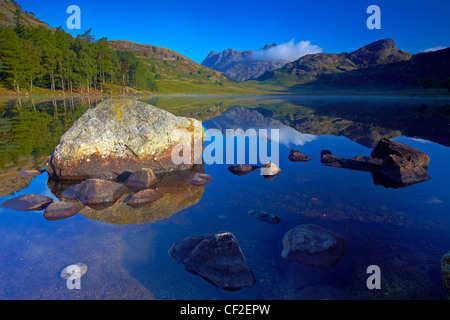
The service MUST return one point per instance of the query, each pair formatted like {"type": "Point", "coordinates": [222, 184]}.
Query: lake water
{"type": "Point", "coordinates": [404, 231]}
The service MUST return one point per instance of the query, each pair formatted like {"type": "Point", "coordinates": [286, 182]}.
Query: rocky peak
{"type": "Point", "coordinates": [268, 46]}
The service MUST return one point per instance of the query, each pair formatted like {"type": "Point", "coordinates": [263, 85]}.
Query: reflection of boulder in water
{"type": "Point", "coordinates": [178, 194]}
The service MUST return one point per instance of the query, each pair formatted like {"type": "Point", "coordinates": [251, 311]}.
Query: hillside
{"type": "Point", "coordinates": [8, 16]}
{"type": "Point", "coordinates": [312, 66]}
{"type": "Point", "coordinates": [240, 65]}
{"type": "Point", "coordinates": [170, 67]}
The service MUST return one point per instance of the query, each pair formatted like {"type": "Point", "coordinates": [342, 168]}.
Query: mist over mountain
{"type": "Point", "coordinates": [250, 64]}
{"type": "Point", "coordinates": [377, 65]}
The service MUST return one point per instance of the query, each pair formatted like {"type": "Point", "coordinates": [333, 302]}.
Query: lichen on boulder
{"type": "Point", "coordinates": [122, 135]}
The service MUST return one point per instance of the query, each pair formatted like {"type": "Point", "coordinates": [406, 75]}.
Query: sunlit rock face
{"type": "Point", "coordinates": [123, 135]}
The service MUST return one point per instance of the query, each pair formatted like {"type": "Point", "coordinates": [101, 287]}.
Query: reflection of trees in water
{"type": "Point", "coordinates": [31, 129]}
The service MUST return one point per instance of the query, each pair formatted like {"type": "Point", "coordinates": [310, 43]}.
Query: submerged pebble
{"type": "Point", "coordinates": [200, 179]}
{"type": "Point", "coordinates": [264, 216]}
{"type": "Point", "coordinates": [75, 271]}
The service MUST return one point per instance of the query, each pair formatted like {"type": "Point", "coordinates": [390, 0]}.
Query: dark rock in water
{"type": "Point", "coordinates": [242, 169]}
{"type": "Point", "coordinates": [200, 179]}
{"type": "Point", "coordinates": [264, 216]}
{"type": "Point", "coordinates": [402, 165]}
{"type": "Point", "coordinates": [142, 198]}
{"type": "Point", "coordinates": [98, 191]}
{"type": "Point", "coordinates": [217, 258]}
{"type": "Point", "coordinates": [312, 245]}
{"type": "Point", "coordinates": [30, 173]}
{"type": "Point", "coordinates": [297, 156]}
{"type": "Point", "coordinates": [327, 157]}
{"type": "Point", "coordinates": [403, 171]}
{"type": "Point", "coordinates": [360, 163]}
{"type": "Point", "coordinates": [27, 202]}
{"type": "Point", "coordinates": [71, 192]}
{"type": "Point", "coordinates": [445, 267]}
{"type": "Point", "coordinates": [182, 249]}
{"type": "Point", "coordinates": [141, 179]}
{"type": "Point", "coordinates": [62, 210]}
{"type": "Point", "coordinates": [387, 147]}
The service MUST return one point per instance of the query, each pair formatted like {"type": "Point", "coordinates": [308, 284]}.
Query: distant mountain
{"type": "Point", "coordinates": [312, 66]}
{"type": "Point", "coordinates": [8, 13]}
{"type": "Point", "coordinates": [378, 65]}
{"type": "Point", "coordinates": [240, 65]}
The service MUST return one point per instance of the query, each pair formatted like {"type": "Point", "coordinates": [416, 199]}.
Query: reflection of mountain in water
{"type": "Point", "coordinates": [364, 120]}
{"type": "Point", "coordinates": [178, 194]}
{"type": "Point", "coordinates": [243, 118]}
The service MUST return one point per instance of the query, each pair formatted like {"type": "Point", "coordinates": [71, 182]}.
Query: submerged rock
{"type": "Point", "coordinates": [123, 136]}
{"type": "Point", "coordinates": [27, 202]}
{"type": "Point", "coordinates": [62, 210]}
{"type": "Point", "coordinates": [142, 179]}
{"type": "Point", "coordinates": [242, 169]}
{"type": "Point", "coordinates": [143, 198]}
{"type": "Point", "coordinates": [178, 194]}
{"type": "Point", "coordinates": [297, 156]}
{"type": "Point", "coordinates": [264, 216]}
{"type": "Point", "coordinates": [217, 257]}
{"type": "Point", "coordinates": [313, 245]}
{"type": "Point", "coordinates": [200, 179]}
{"type": "Point", "coordinates": [98, 191]}
{"type": "Point", "coordinates": [445, 266]}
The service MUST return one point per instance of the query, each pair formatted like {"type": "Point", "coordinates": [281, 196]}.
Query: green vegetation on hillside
{"type": "Point", "coordinates": [55, 60]}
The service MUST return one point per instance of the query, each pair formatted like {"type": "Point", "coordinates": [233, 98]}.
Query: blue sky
{"type": "Point", "coordinates": [194, 28]}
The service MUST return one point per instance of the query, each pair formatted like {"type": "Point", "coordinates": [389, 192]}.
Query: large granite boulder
{"type": "Point", "coordinates": [216, 257]}
{"type": "Point", "coordinates": [123, 135]}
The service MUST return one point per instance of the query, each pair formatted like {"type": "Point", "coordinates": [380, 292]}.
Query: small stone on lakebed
{"type": "Point", "coordinates": [264, 216]}
{"type": "Point", "coordinates": [200, 179]}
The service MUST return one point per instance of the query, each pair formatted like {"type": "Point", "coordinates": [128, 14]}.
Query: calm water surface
{"type": "Point", "coordinates": [405, 231]}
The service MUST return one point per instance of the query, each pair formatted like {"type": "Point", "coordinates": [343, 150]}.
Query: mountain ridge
{"type": "Point", "coordinates": [311, 66]}
{"type": "Point", "coordinates": [239, 65]}
{"type": "Point", "coordinates": [8, 9]}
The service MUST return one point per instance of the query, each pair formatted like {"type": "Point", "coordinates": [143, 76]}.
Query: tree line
{"type": "Point", "coordinates": [54, 59]}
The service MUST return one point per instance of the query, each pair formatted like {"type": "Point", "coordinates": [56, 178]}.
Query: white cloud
{"type": "Point", "coordinates": [289, 51]}
{"type": "Point", "coordinates": [435, 48]}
